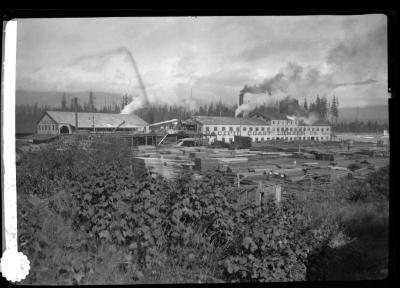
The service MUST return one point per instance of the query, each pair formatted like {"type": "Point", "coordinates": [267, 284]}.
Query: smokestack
{"type": "Point", "coordinates": [76, 113]}
{"type": "Point", "coordinates": [241, 99]}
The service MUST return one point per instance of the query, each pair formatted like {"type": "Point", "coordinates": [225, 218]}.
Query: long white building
{"type": "Point", "coordinates": [259, 127]}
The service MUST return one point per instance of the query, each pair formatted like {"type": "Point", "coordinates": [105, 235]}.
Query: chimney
{"type": "Point", "coordinates": [76, 114]}
{"type": "Point", "coordinates": [241, 99]}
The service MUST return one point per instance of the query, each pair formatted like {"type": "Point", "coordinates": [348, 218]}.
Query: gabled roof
{"type": "Point", "coordinates": [101, 120]}
{"type": "Point", "coordinates": [215, 120]}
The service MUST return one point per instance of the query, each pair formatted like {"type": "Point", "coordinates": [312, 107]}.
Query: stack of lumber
{"type": "Point", "coordinates": [303, 155]}
{"type": "Point", "coordinates": [337, 174]}
{"type": "Point", "coordinates": [145, 147]}
{"type": "Point", "coordinates": [198, 154]}
{"type": "Point", "coordinates": [148, 154]}
{"type": "Point", "coordinates": [275, 154]}
{"type": "Point", "coordinates": [203, 164]}
{"type": "Point", "coordinates": [339, 168]}
{"type": "Point", "coordinates": [363, 172]}
{"type": "Point", "coordinates": [232, 159]}
{"type": "Point", "coordinates": [289, 172]}
{"type": "Point", "coordinates": [219, 155]}
{"type": "Point", "coordinates": [311, 164]}
{"type": "Point", "coordinates": [168, 168]}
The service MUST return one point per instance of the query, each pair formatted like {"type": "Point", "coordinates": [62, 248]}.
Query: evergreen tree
{"type": "Point", "coordinates": [305, 105]}
{"type": "Point", "coordinates": [72, 105]}
{"type": "Point", "coordinates": [334, 109]}
{"type": "Point", "coordinates": [337, 109]}
{"type": "Point", "coordinates": [91, 107]}
{"type": "Point", "coordinates": [323, 109]}
{"type": "Point", "coordinates": [64, 103]}
{"type": "Point", "coordinates": [125, 101]}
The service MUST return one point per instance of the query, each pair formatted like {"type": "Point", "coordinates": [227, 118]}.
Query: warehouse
{"type": "Point", "coordinates": [259, 128]}
{"type": "Point", "coordinates": [60, 122]}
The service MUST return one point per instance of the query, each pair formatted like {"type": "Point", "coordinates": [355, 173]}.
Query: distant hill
{"type": "Point", "coordinates": [374, 113]}
{"type": "Point", "coordinates": [53, 99]}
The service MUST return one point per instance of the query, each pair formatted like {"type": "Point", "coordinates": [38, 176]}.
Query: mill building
{"type": "Point", "coordinates": [259, 127]}
{"type": "Point", "coordinates": [61, 122]}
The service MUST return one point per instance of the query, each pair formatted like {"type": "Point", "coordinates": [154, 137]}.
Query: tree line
{"type": "Point", "coordinates": [326, 110]}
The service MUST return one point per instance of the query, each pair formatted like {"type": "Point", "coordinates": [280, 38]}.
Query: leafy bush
{"type": "Point", "coordinates": [374, 188]}
{"type": "Point", "coordinates": [186, 223]}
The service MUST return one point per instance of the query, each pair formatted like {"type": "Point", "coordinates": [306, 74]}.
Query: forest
{"type": "Point", "coordinates": [28, 115]}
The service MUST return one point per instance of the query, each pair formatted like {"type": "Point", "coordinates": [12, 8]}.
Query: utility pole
{"type": "Point", "coordinates": [219, 108]}
{"type": "Point", "coordinates": [76, 114]}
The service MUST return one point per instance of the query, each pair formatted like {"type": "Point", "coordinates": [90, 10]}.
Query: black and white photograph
{"type": "Point", "coordinates": [201, 149]}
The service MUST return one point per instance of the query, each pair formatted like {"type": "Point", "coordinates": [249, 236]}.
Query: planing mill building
{"type": "Point", "coordinates": [259, 127]}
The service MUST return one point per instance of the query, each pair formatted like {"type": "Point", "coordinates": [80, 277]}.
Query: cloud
{"type": "Point", "coordinates": [109, 71]}
{"type": "Point", "coordinates": [360, 56]}
{"type": "Point", "coordinates": [231, 77]}
{"type": "Point", "coordinates": [275, 47]}
{"type": "Point", "coordinates": [212, 56]}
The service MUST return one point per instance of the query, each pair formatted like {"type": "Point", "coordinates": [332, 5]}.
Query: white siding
{"type": "Point", "coordinates": [266, 132]}
{"type": "Point", "coordinates": [47, 126]}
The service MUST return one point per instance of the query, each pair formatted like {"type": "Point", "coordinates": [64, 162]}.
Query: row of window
{"type": "Point", "coordinates": [262, 139]}
{"type": "Point", "coordinates": [302, 129]}
{"type": "Point", "coordinates": [284, 122]}
{"type": "Point", "coordinates": [273, 129]}
{"type": "Point", "coordinates": [47, 127]}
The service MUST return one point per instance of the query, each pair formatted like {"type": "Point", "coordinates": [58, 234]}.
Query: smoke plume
{"type": "Point", "coordinates": [113, 71]}
{"type": "Point", "coordinates": [310, 119]}
{"type": "Point", "coordinates": [356, 60]}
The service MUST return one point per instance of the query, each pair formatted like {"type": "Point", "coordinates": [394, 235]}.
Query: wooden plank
{"type": "Point", "coordinates": [232, 160]}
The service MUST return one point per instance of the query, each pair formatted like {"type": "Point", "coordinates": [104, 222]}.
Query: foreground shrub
{"type": "Point", "coordinates": [374, 188]}
{"type": "Point", "coordinates": [192, 224]}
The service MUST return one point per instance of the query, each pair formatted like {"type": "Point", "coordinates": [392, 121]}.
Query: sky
{"type": "Point", "coordinates": [196, 60]}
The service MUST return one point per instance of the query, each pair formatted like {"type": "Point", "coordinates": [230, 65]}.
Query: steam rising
{"type": "Point", "coordinates": [310, 119]}
{"type": "Point", "coordinates": [355, 60]}
{"type": "Point", "coordinates": [293, 80]}
{"type": "Point", "coordinates": [113, 71]}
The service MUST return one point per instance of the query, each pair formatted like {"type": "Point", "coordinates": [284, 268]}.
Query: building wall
{"type": "Point", "coordinates": [47, 126]}
{"type": "Point", "coordinates": [283, 130]}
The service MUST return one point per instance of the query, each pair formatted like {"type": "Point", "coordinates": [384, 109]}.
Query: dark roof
{"type": "Point", "coordinates": [101, 120]}
{"type": "Point", "coordinates": [270, 115]}
{"type": "Point", "coordinates": [215, 120]}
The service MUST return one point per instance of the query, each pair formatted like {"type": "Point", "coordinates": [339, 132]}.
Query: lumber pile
{"type": "Point", "coordinates": [303, 155]}
{"type": "Point", "coordinates": [203, 164]}
{"type": "Point", "coordinates": [289, 172]}
{"type": "Point", "coordinates": [168, 168]}
{"type": "Point", "coordinates": [232, 160]}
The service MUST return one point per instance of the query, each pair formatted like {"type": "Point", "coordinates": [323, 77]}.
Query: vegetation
{"type": "Point", "coordinates": [83, 216]}
{"type": "Point", "coordinates": [359, 251]}
{"type": "Point", "coordinates": [360, 126]}
{"type": "Point", "coordinates": [84, 219]}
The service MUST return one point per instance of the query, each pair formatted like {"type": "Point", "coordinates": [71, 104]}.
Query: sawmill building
{"type": "Point", "coordinates": [259, 128]}
{"type": "Point", "coordinates": [60, 122]}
